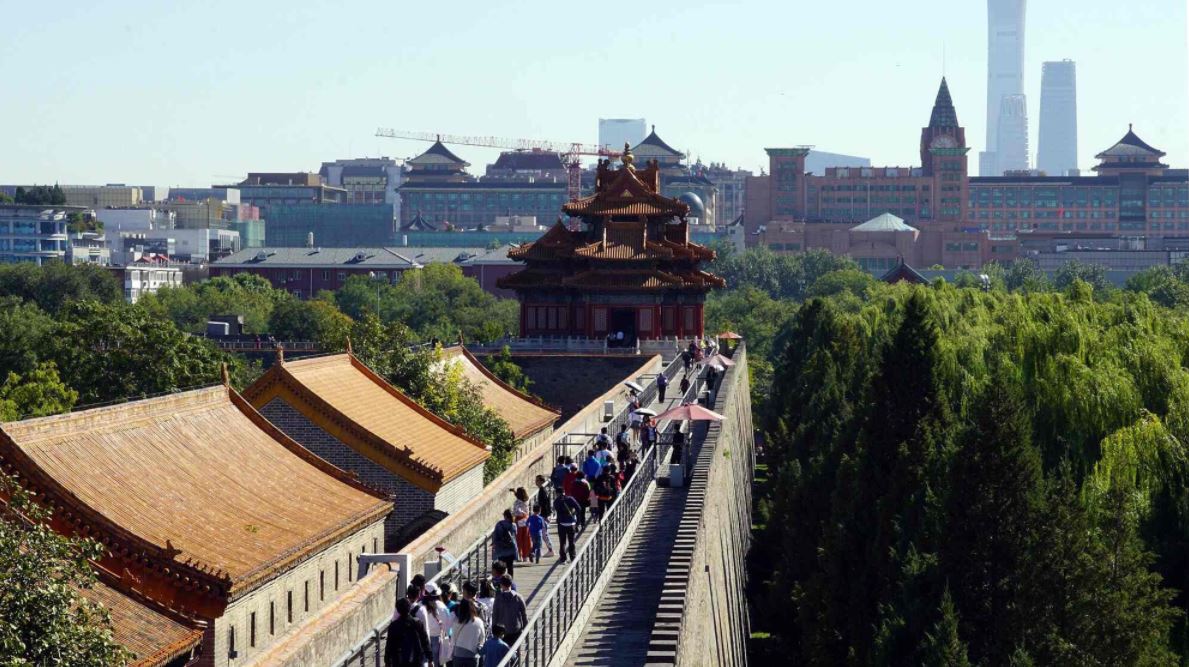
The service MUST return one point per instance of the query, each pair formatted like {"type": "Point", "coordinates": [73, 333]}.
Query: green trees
{"type": "Point", "coordinates": [987, 478]}
{"type": "Point", "coordinates": [40, 194]}
{"type": "Point", "coordinates": [39, 393]}
{"type": "Point", "coordinates": [46, 621]}
{"type": "Point", "coordinates": [503, 367]}
{"type": "Point", "coordinates": [54, 284]}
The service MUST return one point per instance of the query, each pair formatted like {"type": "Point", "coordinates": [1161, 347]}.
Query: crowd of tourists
{"type": "Point", "coordinates": [434, 625]}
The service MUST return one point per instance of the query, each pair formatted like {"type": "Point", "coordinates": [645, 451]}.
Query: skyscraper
{"type": "Point", "coordinates": [1057, 149]}
{"type": "Point", "coordinates": [1005, 76]}
{"type": "Point", "coordinates": [1012, 134]}
{"type": "Point", "coordinates": [615, 132]}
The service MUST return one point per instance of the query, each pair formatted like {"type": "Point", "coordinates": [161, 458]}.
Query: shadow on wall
{"type": "Point", "coordinates": [415, 528]}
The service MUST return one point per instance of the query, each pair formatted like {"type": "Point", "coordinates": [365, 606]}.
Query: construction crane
{"type": "Point", "coordinates": [571, 153]}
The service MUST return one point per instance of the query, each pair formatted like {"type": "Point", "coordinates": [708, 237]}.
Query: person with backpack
{"type": "Point", "coordinates": [566, 510]}
{"type": "Point", "coordinates": [407, 643]}
{"type": "Point", "coordinates": [503, 541]}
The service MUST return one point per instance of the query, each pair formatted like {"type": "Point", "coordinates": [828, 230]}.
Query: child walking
{"type": "Point", "coordinates": [536, 528]}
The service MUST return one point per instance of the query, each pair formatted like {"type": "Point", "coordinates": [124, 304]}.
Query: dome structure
{"type": "Point", "coordinates": [696, 208]}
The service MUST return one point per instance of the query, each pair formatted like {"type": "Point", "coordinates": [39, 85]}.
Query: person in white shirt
{"type": "Point", "coordinates": [438, 620]}
{"type": "Point", "coordinates": [468, 635]}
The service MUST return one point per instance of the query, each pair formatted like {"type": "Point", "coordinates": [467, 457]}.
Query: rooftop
{"type": "Point", "coordinates": [884, 223]}
{"type": "Point", "coordinates": [1131, 146]}
{"type": "Point", "coordinates": [399, 434]}
{"type": "Point", "coordinates": [525, 414]}
{"type": "Point", "coordinates": [438, 154]}
{"type": "Point", "coordinates": [378, 258]}
{"type": "Point", "coordinates": [653, 146]}
{"type": "Point", "coordinates": [196, 482]}
{"type": "Point", "coordinates": [154, 636]}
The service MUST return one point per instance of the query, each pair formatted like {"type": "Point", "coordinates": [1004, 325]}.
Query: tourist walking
{"type": "Point", "coordinates": [602, 492]}
{"type": "Point", "coordinates": [495, 649]}
{"type": "Point", "coordinates": [509, 611]}
{"type": "Point", "coordinates": [545, 502]}
{"type": "Point", "coordinates": [582, 495]}
{"type": "Point", "coordinates": [536, 526]}
{"type": "Point", "coordinates": [591, 466]}
{"type": "Point", "coordinates": [467, 636]}
{"type": "Point", "coordinates": [503, 542]}
{"type": "Point", "coordinates": [407, 644]}
{"type": "Point", "coordinates": [684, 385]}
{"type": "Point", "coordinates": [558, 476]}
{"type": "Point", "coordinates": [520, 512]}
{"type": "Point", "coordinates": [438, 621]}
{"type": "Point", "coordinates": [662, 383]}
{"type": "Point", "coordinates": [566, 510]}
{"type": "Point", "coordinates": [472, 592]}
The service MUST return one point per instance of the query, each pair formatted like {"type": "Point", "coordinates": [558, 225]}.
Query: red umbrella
{"type": "Point", "coordinates": [720, 360]}
{"type": "Point", "coordinates": [692, 412]}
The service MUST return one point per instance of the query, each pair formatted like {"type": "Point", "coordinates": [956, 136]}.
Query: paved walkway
{"type": "Point", "coordinates": [638, 619]}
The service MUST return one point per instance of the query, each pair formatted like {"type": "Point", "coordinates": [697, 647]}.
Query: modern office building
{"type": "Point", "coordinates": [615, 132]}
{"type": "Point", "coordinates": [102, 196]}
{"type": "Point", "coordinates": [438, 192]}
{"type": "Point", "coordinates": [1005, 76]}
{"type": "Point", "coordinates": [134, 219]}
{"type": "Point", "coordinates": [34, 233]}
{"type": "Point", "coordinates": [303, 272]}
{"type": "Point", "coordinates": [366, 180]}
{"type": "Point", "coordinates": [1057, 145]}
{"type": "Point", "coordinates": [1012, 153]}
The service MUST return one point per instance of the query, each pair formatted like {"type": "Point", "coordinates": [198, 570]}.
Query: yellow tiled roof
{"type": "Point", "coordinates": [524, 414]}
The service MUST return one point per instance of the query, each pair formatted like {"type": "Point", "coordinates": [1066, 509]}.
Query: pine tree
{"type": "Point", "coordinates": [994, 485]}
{"type": "Point", "coordinates": [942, 646]}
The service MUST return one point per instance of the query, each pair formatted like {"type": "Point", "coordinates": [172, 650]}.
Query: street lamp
{"type": "Point", "coordinates": [372, 276]}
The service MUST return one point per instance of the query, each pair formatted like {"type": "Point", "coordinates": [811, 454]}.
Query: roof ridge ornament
{"type": "Point", "coordinates": [627, 158]}
{"type": "Point", "coordinates": [280, 350]}
{"type": "Point", "coordinates": [350, 352]}
{"type": "Point", "coordinates": [226, 375]}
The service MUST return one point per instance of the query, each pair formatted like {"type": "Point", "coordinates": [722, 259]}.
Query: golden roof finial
{"type": "Point", "coordinates": [627, 158]}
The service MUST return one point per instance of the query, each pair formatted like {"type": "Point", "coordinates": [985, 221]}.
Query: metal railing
{"type": "Point", "coordinates": [369, 651]}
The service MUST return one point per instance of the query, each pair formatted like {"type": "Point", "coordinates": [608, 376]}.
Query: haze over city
{"type": "Point", "coordinates": [199, 94]}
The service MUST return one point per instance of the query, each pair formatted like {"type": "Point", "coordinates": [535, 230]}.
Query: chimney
{"type": "Point", "coordinates": [310, 240]}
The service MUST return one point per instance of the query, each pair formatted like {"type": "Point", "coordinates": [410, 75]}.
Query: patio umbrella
{"type": "Point", "coordinates": [720, 360]}
{"type": "Point", "coordinates": [646, 411]}
{"type": "Point", "coordinates": [730, 335]}
{"type": "Point", "coordinates": [633, 386]}
{"type": "Point", "coordinates": [692, 412]}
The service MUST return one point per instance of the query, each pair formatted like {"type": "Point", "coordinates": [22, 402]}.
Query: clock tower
{"type": "Point", "coordinates": [943, 159]}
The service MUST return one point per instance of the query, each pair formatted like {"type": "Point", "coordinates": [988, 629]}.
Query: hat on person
{"type": "Point", "coordinates": [431, 590]}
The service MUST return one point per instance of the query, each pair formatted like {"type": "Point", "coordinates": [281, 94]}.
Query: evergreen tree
{"type": "Point", "coordinates": [943, 647]}
{"type": "Point", "coordinates": [994, 486]}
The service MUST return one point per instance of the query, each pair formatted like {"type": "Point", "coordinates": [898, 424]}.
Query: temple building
{"type": "Point", "coordinates": [629, 266]}
{"type": "Point", "coordinates": [344, 412]}
{"type": "Point", "coordinates": [530, 419]}
{"type": "Point", "coordinates": [208, 513]}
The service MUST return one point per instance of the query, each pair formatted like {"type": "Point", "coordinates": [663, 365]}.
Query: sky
{"type": "Point", "coordinates": [195, 93]}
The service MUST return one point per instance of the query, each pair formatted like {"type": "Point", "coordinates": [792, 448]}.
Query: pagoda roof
{"type": "Point", "coordinates": [390, 428]}
{"type": "Point", "coordinates": [557, 242]}
{"type": "Point", "coordinates": [526, 415]}
{"type": "Point", "coordinates": [902, 272]}
{"type": "Point", "coordinates": [153, 634]}
{"type": "Point", "coordinates": [627, 192]}
{"type": "Point", "coordinates": [419, 224]}
{"type": "Point", "coordinates": [531, 160]}
{"type": "Point", "coordinates": [654, 145]}
{"type": "Point", "coordinates": [439, 154]}
{"type": "Point", "coordinates": [196, 490]}
{"type": "Point", "coordinates": [1131, 146]}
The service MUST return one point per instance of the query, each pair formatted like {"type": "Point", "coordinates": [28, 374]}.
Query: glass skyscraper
{"type": "Point", "coordinates": [1005, 77]}
{"type": "Point", "coordinates": [1057, 151]}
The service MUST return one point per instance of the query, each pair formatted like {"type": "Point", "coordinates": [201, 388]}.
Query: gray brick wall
{"type": "Point", "coordinates": [410, 501]}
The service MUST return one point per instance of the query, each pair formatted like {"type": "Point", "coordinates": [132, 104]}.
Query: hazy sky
{"type": "Point", "coordinates": [172, 93]}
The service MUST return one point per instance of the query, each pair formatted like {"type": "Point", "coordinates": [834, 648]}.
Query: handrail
{"type": "Point", "coordinates": [548, 626]}
{"type": "Point", "coordinates": [478, 554]}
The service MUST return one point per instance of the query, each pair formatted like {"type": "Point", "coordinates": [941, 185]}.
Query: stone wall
{"type": "Point", "coordinates": [410, 500]}
{"type": "Point", "coordinates": [714, 628]}
{"type": "Point", "coordinates": [324, 639]}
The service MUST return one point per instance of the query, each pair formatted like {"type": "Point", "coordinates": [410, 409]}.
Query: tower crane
{"type": "Point", "coordinates": [571, 153]}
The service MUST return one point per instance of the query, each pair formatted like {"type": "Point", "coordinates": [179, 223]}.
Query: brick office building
{"type": "Point", "coordinates": [630, 268]}
{"type": "Point", "coordinates": [205, 509]}
{"type": "Point", "coordinates": [962, 221]}
{"type": "Point", "coordinates": [345, 413]}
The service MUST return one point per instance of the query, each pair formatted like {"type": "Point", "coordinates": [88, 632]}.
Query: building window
{"type": "Point", "coordinates": [336, 575]}
{"type": "Point", "coordinates": [321, 585]}
{"type": "Point", "coordinates": [231, 654]}
{"type": "Point", "coordinates": [375, 549]}
{"type": "Point", "coordinates": [289, 606]}
{"type": "Point", "coordinates": [272, 618]}
{"type": "Point", "coordinates": [306, 596]}
{"type": "Point", "coordinates": [252, 630]}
